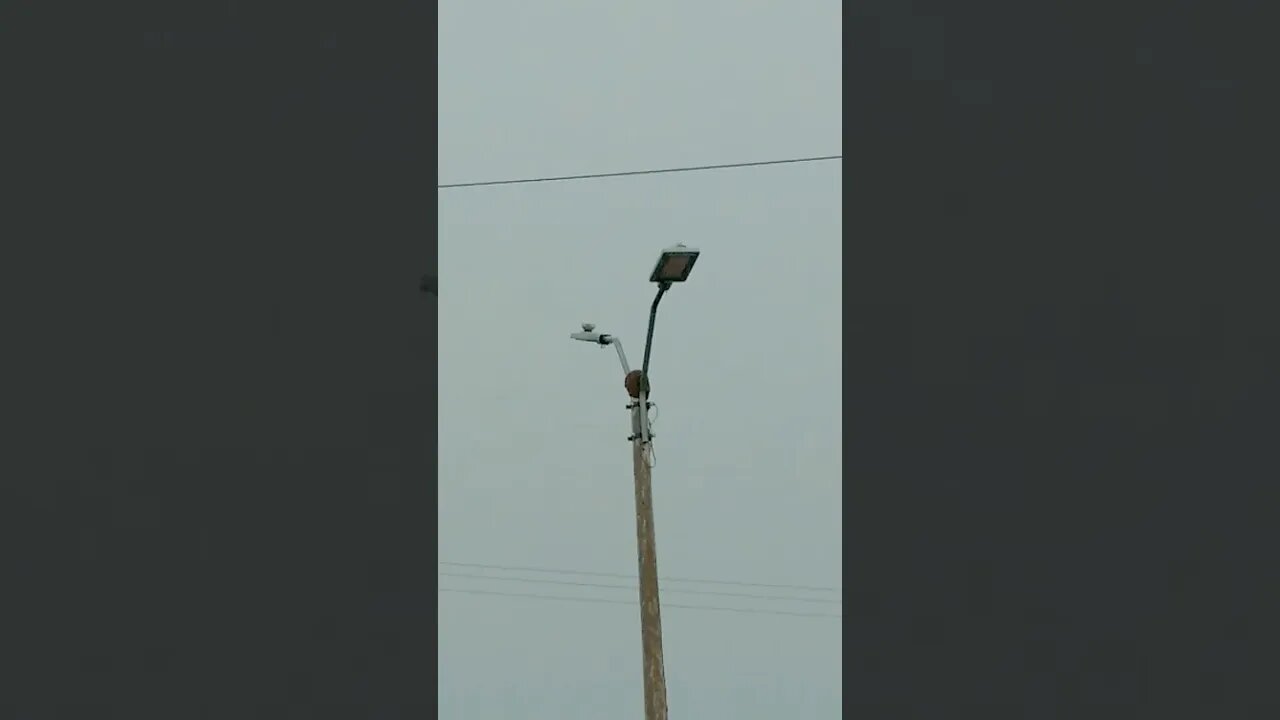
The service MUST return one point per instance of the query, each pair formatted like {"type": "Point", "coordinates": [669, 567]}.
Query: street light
{"type": "Point", "coordinates": [673, 266]}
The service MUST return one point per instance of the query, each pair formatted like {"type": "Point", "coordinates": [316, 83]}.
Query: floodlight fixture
{"type": "Point", "coordinates": [674, 264]}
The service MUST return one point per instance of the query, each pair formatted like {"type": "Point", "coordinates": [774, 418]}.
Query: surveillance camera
{"type": "Point", "coordinates": [588, 327]}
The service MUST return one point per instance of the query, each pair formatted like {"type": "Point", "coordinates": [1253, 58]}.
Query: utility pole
{"type": "Point", "coordinates": [655, 677]}
{"type": "Point", "coordinates": [673, 266]}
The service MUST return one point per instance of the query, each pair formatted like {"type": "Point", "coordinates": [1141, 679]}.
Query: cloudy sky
{"type": "Point", "coordinates": [534, 465]}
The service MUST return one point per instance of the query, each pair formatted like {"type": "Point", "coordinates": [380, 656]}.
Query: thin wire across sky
{"type": "Point", "coordinates": [665, 606]}
{"type": "Point", "coordinates": [809, 605]}
{"type": "Point", "coordinates": [631, 173]}
{"type": "Point", "coordinates": [591, 573]}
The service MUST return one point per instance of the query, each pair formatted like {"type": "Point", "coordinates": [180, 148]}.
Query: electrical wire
{"type": "Point", "coordinates": [745, 611]}
{"type": "Point", "coordinates": [753, 596]}
{"type": "Point", "coordinates": [698, 581]}
{"type": "Point", "coordinates": [629, 173]}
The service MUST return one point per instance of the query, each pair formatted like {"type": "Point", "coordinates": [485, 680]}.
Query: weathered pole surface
{"type": "Point", "coordinates": [655, 680]}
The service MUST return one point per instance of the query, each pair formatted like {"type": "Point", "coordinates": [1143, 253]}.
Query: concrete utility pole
{"type": "Point", "coordinates": [655, 676]}
{"type": "Point", "coordinates": [673, 266]}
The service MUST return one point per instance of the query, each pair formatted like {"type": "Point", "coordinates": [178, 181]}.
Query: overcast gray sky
{"type": "Point", "coordinates": [534, 464]}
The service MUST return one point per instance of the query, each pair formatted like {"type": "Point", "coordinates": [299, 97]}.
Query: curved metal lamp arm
{"type": "Point", "coordinates": [622, 357]}
{"type": "Point", "coordinates": [663, 287]}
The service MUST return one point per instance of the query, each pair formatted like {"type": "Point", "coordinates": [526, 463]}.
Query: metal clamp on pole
{"type": "Point", "coordinates": [638, 390]}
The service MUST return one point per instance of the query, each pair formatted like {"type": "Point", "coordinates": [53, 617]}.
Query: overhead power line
{"type": "Point", "coordinates": [562, 598]}
{"type": "Point", "coordinates": [629, 173]}
{"type": "Point", "coordinates": [699, 581]}
{"type": "Point", "coordinates": [615, 586]}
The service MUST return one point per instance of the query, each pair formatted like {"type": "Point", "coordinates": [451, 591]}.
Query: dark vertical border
{"type": "Point", "coordinates": [1060, 383]}
{"type": "Point", "coordinates": [182, 536]}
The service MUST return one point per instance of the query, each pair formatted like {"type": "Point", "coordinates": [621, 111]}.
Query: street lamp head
{"type": "Point", "coordinates": [675, 264]}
